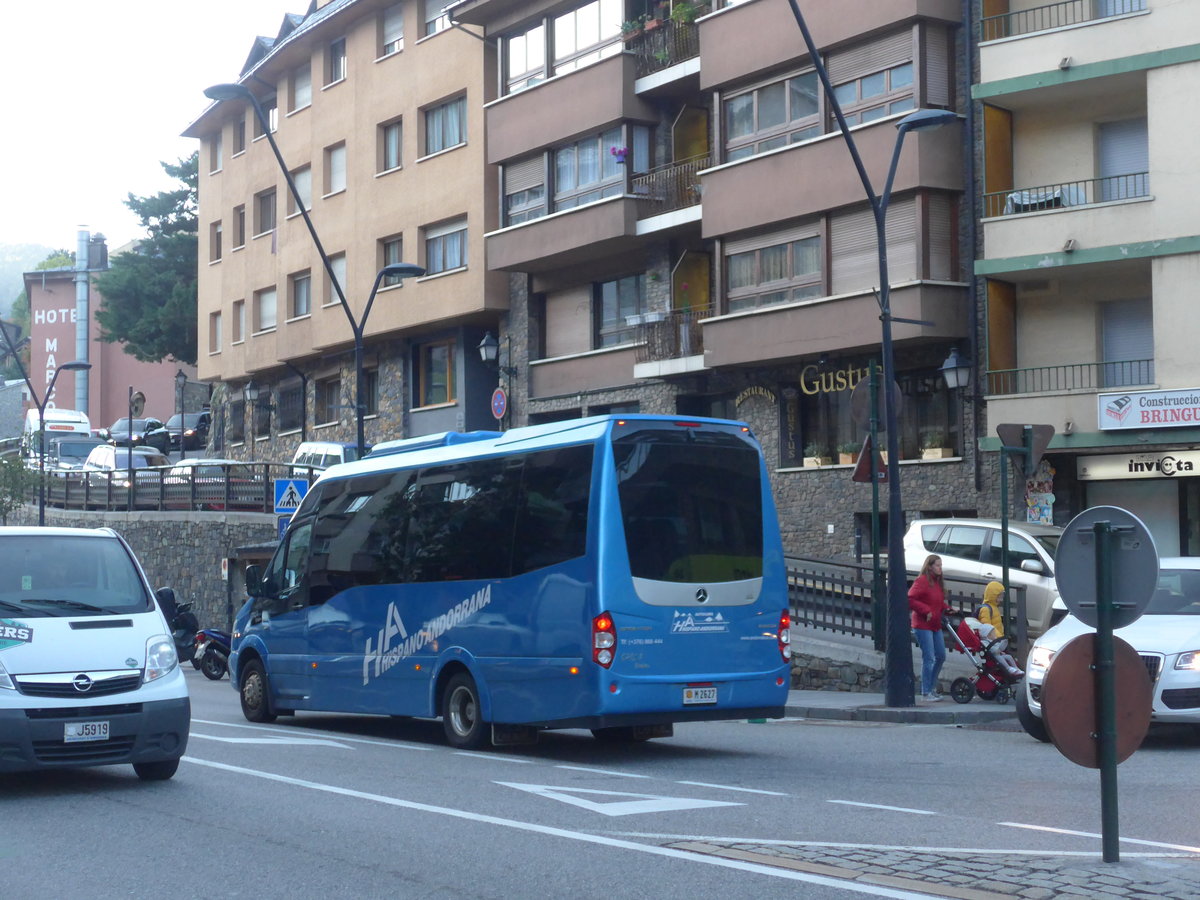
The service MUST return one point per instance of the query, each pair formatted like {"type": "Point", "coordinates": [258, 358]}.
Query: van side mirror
{"type": "Point", "coordinates": [254, 581]}
{"type": "Point", "coordinates": [166, 600]}
{"type": "Point", "coordinates": [1032, 565]}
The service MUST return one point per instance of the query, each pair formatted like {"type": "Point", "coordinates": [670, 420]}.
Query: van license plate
{"type": "Point", "coordinates": [693, 695]}
{"type": "Point", "coordinates": [85, 731]}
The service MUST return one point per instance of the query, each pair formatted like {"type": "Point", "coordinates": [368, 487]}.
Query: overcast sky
{"type": "Point", "coordinates": [95, 94]}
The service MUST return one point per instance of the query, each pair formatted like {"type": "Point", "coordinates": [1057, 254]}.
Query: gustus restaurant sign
{"type": "Point", "coordinates": [1148, 409]}
{"type": "Point", "coordinates": [1168, 464]}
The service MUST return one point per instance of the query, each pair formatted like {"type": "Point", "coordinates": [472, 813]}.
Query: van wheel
{"type": "Point", "coordinates": [156, 771]}
{"type": "Point", "coordinates": [1034, 727]}
{"type": "Point", "coordinates": [461, 716]}
{"type": "Point", "coordinates": [255, 693]}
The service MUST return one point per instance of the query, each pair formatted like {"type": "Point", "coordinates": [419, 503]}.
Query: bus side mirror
{"type": "Point", "coordinates": [254, 581]}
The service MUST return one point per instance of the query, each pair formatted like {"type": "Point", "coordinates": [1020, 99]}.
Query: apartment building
{"type": "Point", "coordinates": [685, 232]}
{"type": "Point", "coordinates": [1092, 250]}
{"type": "Point", "coordinates": [377, 111]}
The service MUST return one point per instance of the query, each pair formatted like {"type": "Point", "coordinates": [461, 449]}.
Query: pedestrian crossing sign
{"type": "Point", "coordinates": [288, 494]}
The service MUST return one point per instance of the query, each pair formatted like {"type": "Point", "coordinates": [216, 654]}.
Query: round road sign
{"type": "Point", "coordinates": [499, 403]}
{"type": "Point", "coordinates": [1135, 566]}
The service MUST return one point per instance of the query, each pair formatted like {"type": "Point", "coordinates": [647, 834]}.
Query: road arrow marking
{"type": "Point", "coordinates": [312, 742]}
{"type": "Point", "coordinates": [644, 803]}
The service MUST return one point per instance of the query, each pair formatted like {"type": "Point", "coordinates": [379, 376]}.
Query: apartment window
{"type": "Point", "coordinates": [391, 30]}
{"type": "Point", "coordinates": [877, 95]}
{"type": "Point", "coordinates": [436, 19]}
{"type": "Point", "coordinates": [772, 115]}
{"type": "Point", "coordinates": [214, 153]}
{"type": "Point", "coordinates": [391, 250]}
{"type": "Point", "coordinates": [235, 429]}
{"type": "Point", "coordinates": [264, 212]}
{"type": "Point", "coordinates": [335, 169]}
{"type": "Point", "coordinates": [239, 226]}
{"type": "Point", "coordinates": [587, 170]}
{"type": "Point", "coordinates": [289, 409]}
{"type": "Point", "coordinates": [1127, 337]}
{"type": "Point", "coordinates": [435, 374]}
{"type": "Point", "coordinates": [446, 125]}
{"type": "Point", "coordinates": [587, 34]}
{"type": "Point", "coordinates": [214, 242]}
{"type": "Point", "coordinates": [239, 137]}
{"type": "Point", "coordinates": [524, 190]}
{"type": "Point", "coordinates": [327, 400]}
{"type": "Point", "coordinates": [525, 58]}
{"type": "Point", "coordinates": [371, 391]}
{"type": "Point", "coordinates": [337, 262]}
{"type": "Point", "coordinates": [270, 107]}
{"type": "Point", "coordinates": [214, 332]}
{"type": "Point", "coordinates": [336, 69]}
{"type": "Point", "coordinates": [446, 247]}
{"type": "Point", "coordinates": [302, 87]}
{"type": "Point", "coordinates": [616, 303]}
{"type": "Point", "coordinates": [390, 135]}
{"type": "Point", "coordinates": [776, 268]}
{"type": "Point", "coordinates": [262, 414]}
{"type": "Point", "coordinates": [237, 325]}
{"type": "Point", "coordinates": [300, 290]}
{"type": "Point", "coordinates": [1124, 160]}
{"type": "Point", "coordinates": [302, 178]}
{"type": "Point", "coordinates": [264, 310]}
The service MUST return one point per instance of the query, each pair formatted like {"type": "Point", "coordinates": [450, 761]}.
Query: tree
{"type": "Point", "coordinates": [15, 483]}
{"type": "Point", "coordinates": [149, 294]}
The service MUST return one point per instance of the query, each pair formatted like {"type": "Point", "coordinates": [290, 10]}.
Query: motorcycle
{"type": "Point", "coordinates": [211, 655]}
{"type": "Point", "coordinates": [183, 623]}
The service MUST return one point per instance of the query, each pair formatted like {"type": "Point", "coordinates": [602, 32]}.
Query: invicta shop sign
{"type": "Point", "coordinates": [1168, 464]}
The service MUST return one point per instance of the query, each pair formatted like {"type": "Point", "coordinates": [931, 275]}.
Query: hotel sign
{"type": "Point", "coordinates": [1169, 464]}
{"type": "Point", "coordinates": [1148, 409]}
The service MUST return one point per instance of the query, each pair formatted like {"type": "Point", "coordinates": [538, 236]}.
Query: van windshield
{"type": "Point", "coordinates": [61, 575]}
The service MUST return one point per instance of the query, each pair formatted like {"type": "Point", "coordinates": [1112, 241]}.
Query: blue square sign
{"type": "Point", "coordinates": [288, 494]}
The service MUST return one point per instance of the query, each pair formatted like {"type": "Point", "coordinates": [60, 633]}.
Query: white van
{"type": "Point", "coordinates": [59, 423]}
{"type": "Point", "coordinates": [323, 454]}
{"type": "Point", "coordinates": [88, 671]}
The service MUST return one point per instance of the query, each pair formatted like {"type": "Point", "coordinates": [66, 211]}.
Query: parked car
{"type": "Point", "coordinates": [970, 548]}
{"type": "Point", "coordinates": [188, 431]}
{"type": "Point", "coordinates": [1166, 637]}
{"type": "Point", "coordinates": [323, 454]}
{"type": "Point", "coordinates": [214, 484]}
{"type": "Point", "coordinates": [106, 472]}
{"type": "Point", "coordinates": [146, 432]}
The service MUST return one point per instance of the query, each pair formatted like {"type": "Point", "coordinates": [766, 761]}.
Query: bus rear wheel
{"type": "Point", "coordinates": [462, 719]}
{"type": "Point", "coordinates": [254, 693]}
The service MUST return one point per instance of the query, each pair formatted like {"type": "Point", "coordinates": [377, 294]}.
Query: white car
{"type": "Point", "coordinates": [1167, 637]}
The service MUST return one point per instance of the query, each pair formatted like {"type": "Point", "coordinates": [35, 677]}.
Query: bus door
{"type": "Point", "coordinates": [280, 616]}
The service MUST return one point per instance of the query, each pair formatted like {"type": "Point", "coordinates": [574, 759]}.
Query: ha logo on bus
{"type": "Point", "coordinates": [14, 633]}
{"type": "Point", "coordinates": [694, 622]}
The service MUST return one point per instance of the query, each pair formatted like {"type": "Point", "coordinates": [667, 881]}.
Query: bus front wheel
{"type": "Point", "coordinates": [254, 693]}
{"type": "Point", "coordinates": [461, 716]}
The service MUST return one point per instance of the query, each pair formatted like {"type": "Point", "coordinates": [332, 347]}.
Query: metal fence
{"type": "Point", "coordinates": [1055, 15]}
{"type": "Point", "coordinates": [1085, 192]}
{"type": "Point", "coordinates": [1076, 376]}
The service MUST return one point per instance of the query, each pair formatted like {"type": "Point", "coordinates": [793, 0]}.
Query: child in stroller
{"type": "Point", "coordinates": [995, 670]}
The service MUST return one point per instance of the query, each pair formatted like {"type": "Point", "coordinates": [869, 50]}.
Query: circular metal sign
{"type": "Point", "coordinates": [1069, 701]}
{"type": "Point", "coordinates": [1135, 566]}
{"type": "Point", "coordinates": [499, 403]}
{"type": "Point", "coordinates": [860, 404]}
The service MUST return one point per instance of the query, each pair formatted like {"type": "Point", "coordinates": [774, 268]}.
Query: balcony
{"type": "Point", "coordinates": [667, 45]}
{"type": "Point", "coordinates": [1055, 15]}
{"type": "Point", "coordinates": [568, 238]}
{"type": "Point", "coordinates": [1087, 192]}
{"type": "Point", "coordinates": [676, 335]}
{"type": "Point", "coordinates": [670, 187]}
{"type": "Point", "coordinates": [1098, 376]}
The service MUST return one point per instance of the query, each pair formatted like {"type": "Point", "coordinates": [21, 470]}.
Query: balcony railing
{"type": "Point", "coordinates": [1055, 15]}
{"type": "Point", "coordinates": [1067, 193]}
{"type": "Point", "coordinates": [670, 43]}
{"type": "Point", "coordinates": [670, 187]}
{"type": "Point", "coordinates": [1078, 376]}
{"type": "Point", "coordinates": [676, 335]}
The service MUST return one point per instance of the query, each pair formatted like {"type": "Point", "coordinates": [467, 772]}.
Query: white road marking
{"type": "Point", "coordinates": [601, 771]}
{"type": "Point", "coordinates": [492, 757]}
{"type": "Point", "coordinates": [1186, 848]}
{"type": "Point", "coordinates": [668, 852]}
{"type": "Point", "coordinates": [400, 745]}
{"type": "Point", "coordinates": [644, 803]}
{"type": "Point", "coordinates": [299, 741]}
{"type": "Point", "coordinates": [915, 812]}
{"type": "Point", "coordinates": [727, 787]}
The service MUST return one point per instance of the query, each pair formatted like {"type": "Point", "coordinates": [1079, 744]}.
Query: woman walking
{"type": "Point", "coordinates": [927, 600]}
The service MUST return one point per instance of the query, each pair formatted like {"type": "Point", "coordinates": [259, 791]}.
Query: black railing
{"type": "Point", "coordinates": [1076, 376]}
{"type": "Point", "coordinates": [670, 187]}
{"type": "Point", "coordinates": [664, 46]}
{"type": "Point", "coordinates": [1068, 193]}
{"type": "Point", "coordinates": [241, 487]}
{"type": "Point", "coordinates": [675, 335]}
{"type": "Point", "coordinates": [1055, 15]}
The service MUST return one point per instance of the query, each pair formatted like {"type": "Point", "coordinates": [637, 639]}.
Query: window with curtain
{"type": "Point", "coordinates": [264, 309]}
{"type": "Point", "coordinates": [390, 135]}
{"type": "Point", "coordinates": [335, 168]}
{"type": "Point", "coordinates": [239, 137]}
{"type": "Point", "coordinates": [264, 212]}
{"type": "Point", "coordinates": [772, 115]}
{"type": "Point", "coordinates": [337, 262]}
{"type": "Point", "coordinates": [775, 268]}
{"type": "Point", "coordinates": [214, 332]}
{"type": "Point", "coordinates": [391, 251]}
{"type": "Point", "coordinates": [237, 326]}
{"type": "Point", "coordinates": [876, 95]}
{"type": "Point", "coordinates": [239, 226]}
{"type": "Point", "coordinates": [616, 303]}
{"type": "Point", "coordinates": [525, 58]}
{"type": "Point", "coordinates": [446, 125]}
{"type": "Point", "coordinates": [302, 178]}
{"type": "Point", "coordinates": [446, 247]}
{"type": "Point", "coordinates": [587, 170]}
{"type": "Point", "coordinates": [301, 291]}
{"type": "Point", "coordinates": [337, 61]}
{"type": "Point", "coordinates": [391, 30]}
{"type": "Point", "coordinates": [302, 86]}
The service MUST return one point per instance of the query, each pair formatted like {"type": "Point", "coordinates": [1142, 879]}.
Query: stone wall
{"type": "Point", "coordinates": [816, 673]}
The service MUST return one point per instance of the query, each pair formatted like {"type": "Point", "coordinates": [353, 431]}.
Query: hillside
{"type": "Point", "coordinates": [14, 260]}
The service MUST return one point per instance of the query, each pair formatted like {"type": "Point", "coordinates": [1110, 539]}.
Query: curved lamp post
{"type": "Point", "coordinates": [77, 366]}
{"type": "Point", "coordinates": [235, 91]}
{"type": "Point", "coordinates": [180, 387]}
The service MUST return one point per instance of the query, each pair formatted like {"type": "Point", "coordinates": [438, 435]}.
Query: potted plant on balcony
{"type": "Point", "coordinates": [633, 28]}
{"type": "Point", "coordinates": [620, 153]}
{"type": "Point", "coordinates": [848, 453]}
{"type": "Point", "coordinates": [815, 454]}
{"type": "Point", "coordinates": [933, 445]}
{"type": "Point", "coordinates": [684, 12]}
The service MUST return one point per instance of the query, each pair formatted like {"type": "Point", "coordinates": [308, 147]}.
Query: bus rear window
{"type": "Point", "coordinates": [691, 505]}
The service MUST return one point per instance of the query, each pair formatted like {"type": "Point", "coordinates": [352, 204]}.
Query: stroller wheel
{"type": "Point", "coordinates": [1003, 695]}
{"type": "Point", "coordinates": [962, 690]}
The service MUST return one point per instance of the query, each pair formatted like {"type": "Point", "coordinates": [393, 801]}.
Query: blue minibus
{"type": "Point", "coordinates": [614, 573]}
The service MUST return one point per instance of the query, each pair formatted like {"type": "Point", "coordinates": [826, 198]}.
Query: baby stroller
{"type": "Point", "coordinates": [992, 679]}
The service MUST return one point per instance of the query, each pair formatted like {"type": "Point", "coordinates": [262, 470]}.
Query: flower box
{"type": "Point", "coordinates": [937, 453]}
{"type": "Point", "coordinates": [816, 461]}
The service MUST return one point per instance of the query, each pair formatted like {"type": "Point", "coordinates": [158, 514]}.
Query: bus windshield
{"type": "Point", "coordinates": [691, 505]}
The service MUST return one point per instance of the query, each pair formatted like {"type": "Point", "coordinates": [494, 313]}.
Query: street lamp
{"type": "Point", "coordinates": [76, 366]}
{"type": "Point", "coordinates": [180, 386]}
{"type": "Point", "coordinates": [235, 91]}
{"type": "Point", "coordinates": [898, 662]}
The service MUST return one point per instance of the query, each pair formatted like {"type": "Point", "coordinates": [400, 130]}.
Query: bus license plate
{"type": "Point", "coordinates": [693, 695]}
{"type": "Point", "coordinates": [85, 731]}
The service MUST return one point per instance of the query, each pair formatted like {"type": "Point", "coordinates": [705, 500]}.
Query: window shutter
{"type": "Point", "coordinates": [769, 239]}
{"type": "Point", "coordinates": [1128, 327]}
{"type": "Point", "coordinates": [937, 68]}
{"type": "Point", "coordinates": [880, 54]}
{"type": "Point", "coordinates": [393, 24]}
{"type": "Point", "coordinates": [521, 176]}
{"type": "Point", "coordinates": [941, 239]}
{"type": "Point", "coordinates": [1124, 148]}
{"type": "Point", "coordinates": [854, 248]}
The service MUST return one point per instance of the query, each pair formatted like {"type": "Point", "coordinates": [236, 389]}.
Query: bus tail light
{"type": "Point", "coordinates": [785, 635]}
{"type": "Point", "coordinates": [604, 640]}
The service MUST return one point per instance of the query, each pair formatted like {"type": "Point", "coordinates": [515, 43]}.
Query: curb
{"type": "Point", "coordinates": [908, 716]}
